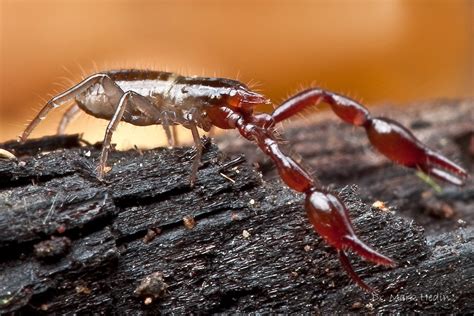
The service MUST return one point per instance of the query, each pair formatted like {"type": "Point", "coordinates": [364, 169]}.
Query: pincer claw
{"type": "Point", "coordinates": [366, 252]}
{"type": "Point", "coordinates": [330, 219]}
{"type": "Point", "coordinates": [398, 144]}
{"type": "Point", "coordinates": [444, 169]}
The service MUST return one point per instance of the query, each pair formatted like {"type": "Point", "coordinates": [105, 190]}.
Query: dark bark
{"type": "Point", "coordinates": [70, 243]}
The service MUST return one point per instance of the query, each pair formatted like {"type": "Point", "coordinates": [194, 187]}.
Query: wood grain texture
{"type": "Point", "coordinates": [70, 243]}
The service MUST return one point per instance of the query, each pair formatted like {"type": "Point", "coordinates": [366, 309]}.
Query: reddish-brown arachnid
{"type": "Point", "coordinates": [145, 97]}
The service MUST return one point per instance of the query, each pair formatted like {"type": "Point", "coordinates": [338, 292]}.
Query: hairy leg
{"type": "Point", "coordinates": [68, 116]}
{"type": "Point", "coordinates": [197, 158]}
{"type": "Point", "coordinates": [125, 101]}
{"type": "Point", "coordinates": [62, 98]}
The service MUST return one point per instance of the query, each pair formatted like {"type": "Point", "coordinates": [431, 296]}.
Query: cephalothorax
{"type": "Point", "coordinates": [145, 97]}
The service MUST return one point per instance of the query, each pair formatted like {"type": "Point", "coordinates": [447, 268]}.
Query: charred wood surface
{"type": "Point", "coordinates": [143, 241]}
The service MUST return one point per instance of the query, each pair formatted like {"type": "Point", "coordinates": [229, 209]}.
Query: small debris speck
{"type": "Point", "coordinates": [80, 289]}
{"type": "Point", "coordinates": [380, 205]}
{"type": "Point", "coordinates": [436, 207]}
{"type": "Point", "coordinates": [245, 233]}
{"type": "Point", "coordinates": [87, 153]}
{"type": "Point", "coordinates": [151, 234]}
{"type": "Point", "coordinates": [151, 287]}
{"type": "Point", "coordinates": [447, 210]}
{"type": "Point", "coordinates": [53, 248]}
{"type": "Point", "coordinates": [61, 229]}
{"type": "Point", "coordinates": [189, 221]}
{"type": "Point", "coordinates": [234, 216]}
{"type": "Point", "coordinates": [252, 202]}
{"type": "Point", "coordinates": [307, 248]}
{"type": "Point", "coordinates": [228, 178]}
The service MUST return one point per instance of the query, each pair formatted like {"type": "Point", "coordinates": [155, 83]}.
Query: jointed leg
{"type": "Point", "coordinates": [121, 107]}
{"type": "Point", "coordinates": [68, 116]}
{"type": "Point", "coordinates": [132, 107]}
{"type": "Point", "coordinates": [197, 158]}
{"type": "Point", "coordinates": [170, 132]}
{"type": "Point", "coordinates": [167, 121]}
{"type": "Point", "coordinates": [389, 137]}
{"type": "Point", "coordinates": [61, 99]}
{"type": "Point", "coordinates": [174, 136]}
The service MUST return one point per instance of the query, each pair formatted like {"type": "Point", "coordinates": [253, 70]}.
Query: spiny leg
{"type": "Point", "coordinates": [389, 137]}
{"type": "Point", "coordinates": [61, 99]}
{"type": "Point", "coordinates": [197, 158]}
{"type": "Point", "coordinates": [68, 116]}
{"type": "Point", "coordinates": [119, 111]}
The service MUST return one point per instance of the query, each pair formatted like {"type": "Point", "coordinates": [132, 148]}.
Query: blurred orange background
{"type": "Point", "coordinates": [398, 52]}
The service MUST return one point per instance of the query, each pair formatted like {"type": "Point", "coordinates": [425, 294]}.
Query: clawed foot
{"type": "Point", "coordinates": [442, 168]}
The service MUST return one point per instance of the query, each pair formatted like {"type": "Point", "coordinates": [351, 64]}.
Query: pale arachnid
{"type": "Point", "coordinates": [146, 97]}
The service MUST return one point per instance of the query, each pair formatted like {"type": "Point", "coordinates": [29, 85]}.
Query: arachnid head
{"type": "Point", "coordinates": [219, 92]}
{"type": "Point", "coordinates": [243, 98]}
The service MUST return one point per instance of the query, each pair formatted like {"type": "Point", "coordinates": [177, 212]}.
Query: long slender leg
{"type": "Point", "coordinates": [389, 137]}
{"type": "Point", "coordinates": [197, 158]}
{"type": "Point", "coordinates": [61, 99]}
{"type": "Point", "coordinates": [122, 105]}
{"type": "Point", "coordinates": [174, 135]}
{"type": "Point", "coordinates": [167, 121]}
{"type": "Point", "coordinates": [129, 104]}
{"type": "Point", "coordinates": [169, 131]}
{"type": "Point", "coordinates": [68, 116]}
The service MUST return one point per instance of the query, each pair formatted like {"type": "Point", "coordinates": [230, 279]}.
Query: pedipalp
{"type": "Point", "coordinates": [326, 212]}
{"type": "Point", "coordinates": [388, 136]}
